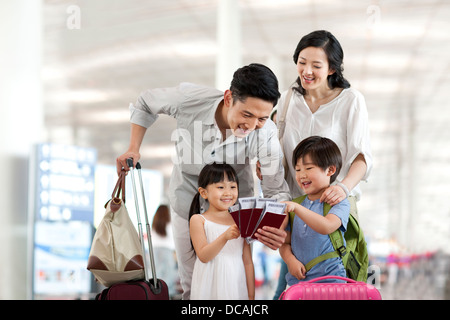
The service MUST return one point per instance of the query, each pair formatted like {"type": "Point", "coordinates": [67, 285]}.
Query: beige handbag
{"type": "Point", "coordinates": [116, 253]}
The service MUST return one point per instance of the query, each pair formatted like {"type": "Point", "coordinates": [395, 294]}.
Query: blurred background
{"type": "Point", "coordinates": [70, 68]}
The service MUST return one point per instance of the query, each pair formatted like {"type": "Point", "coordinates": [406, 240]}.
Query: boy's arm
{"type": "Point", "coordinates": [295, 267]}
{"type": "Point", "coordinates": [317, 222]}
{"type": "Point", "coordinates": [249, 270]}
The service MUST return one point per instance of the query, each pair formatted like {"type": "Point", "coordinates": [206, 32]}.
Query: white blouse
{"type": "Point", "coordinates": [343, 120]}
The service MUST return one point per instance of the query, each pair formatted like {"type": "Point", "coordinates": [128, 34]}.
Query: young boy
{"type": "Point", "coordinates": [317, 163]}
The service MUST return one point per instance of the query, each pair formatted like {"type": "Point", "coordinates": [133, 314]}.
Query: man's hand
{"type": "Point", "coordinates": [271, 237]}
{"type": "Point", "coordinates": [121, 161]}
{"type": "Point", "coordinates": [258, 170]}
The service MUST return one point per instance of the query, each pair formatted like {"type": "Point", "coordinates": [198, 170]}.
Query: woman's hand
{"type": "Point", "coordinates": [333, 195]}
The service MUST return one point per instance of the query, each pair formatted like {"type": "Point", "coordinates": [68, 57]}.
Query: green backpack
{"type": "Point", "coordinates": [354, 255]}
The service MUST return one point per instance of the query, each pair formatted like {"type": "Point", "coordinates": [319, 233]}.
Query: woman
{"type": "Point", "coordinates": [323, 104]}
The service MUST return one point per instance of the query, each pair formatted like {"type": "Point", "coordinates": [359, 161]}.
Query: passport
{"type": "Point", "coordinates": [252, 213]}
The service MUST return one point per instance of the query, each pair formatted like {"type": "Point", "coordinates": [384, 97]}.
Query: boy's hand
{"type": "Point", "coordinates": [290, 206]}
{"type": "Point", "coordinates": [297, 269]}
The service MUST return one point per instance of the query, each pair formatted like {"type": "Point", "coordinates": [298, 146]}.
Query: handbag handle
{"type": "Point", "coordinates": [331, 277]}
{"type": "Point", "coordinates": [119, 189]}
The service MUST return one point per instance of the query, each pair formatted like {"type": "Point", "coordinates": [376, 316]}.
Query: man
{"type": "Point", "coordinates": [231, 127]}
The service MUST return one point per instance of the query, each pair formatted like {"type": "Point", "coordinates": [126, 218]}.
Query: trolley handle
{"type": "Point", "coordinates": [147, 224]}
{"type": "Point", "coordinates": [131, 165]}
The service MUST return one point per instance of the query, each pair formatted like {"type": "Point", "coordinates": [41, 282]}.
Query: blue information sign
{"type": "Point", "coordinates": [65, 183]}
{"type": "Point", "coordinates": [64, 188]}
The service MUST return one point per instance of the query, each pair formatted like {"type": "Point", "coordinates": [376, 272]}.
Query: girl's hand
{"type": "Point", "coordinates": [297, 269]}
{"type": "Point", "coordinates": [232, 232]}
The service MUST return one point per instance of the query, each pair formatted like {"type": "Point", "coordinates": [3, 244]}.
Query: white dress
{"type": "Point", "coordinates": [222, 278]}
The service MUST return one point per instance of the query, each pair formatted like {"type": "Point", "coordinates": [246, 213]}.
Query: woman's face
{"type": "Point", "coordinates": [313, 68]}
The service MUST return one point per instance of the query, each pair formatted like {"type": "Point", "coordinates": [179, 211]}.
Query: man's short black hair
{"type": "Point", "coordinates": [257, 81]}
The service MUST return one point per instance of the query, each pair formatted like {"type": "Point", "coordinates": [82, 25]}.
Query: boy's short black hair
{"type": "Point", "coordinates": [322, 151]}
{"type": "Point", "coordinates": [257, 81]}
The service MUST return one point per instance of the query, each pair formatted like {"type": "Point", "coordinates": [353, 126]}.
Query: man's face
{"type": "Point", "coordinates": [244, 117]}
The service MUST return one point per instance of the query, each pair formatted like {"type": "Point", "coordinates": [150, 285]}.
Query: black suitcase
{"type": "Point", "coordinates": [145, 289]}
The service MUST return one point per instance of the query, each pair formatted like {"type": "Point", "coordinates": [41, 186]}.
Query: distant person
{"type": "Point", "coordinates": [164, 248]}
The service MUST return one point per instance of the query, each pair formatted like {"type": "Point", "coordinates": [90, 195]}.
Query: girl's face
{"type": "Point", "coordinates": [313, 68]}
{"type": "Point", "coordinates": [220, 195]}
{"type": "Point", "coordinates": [312, 179]}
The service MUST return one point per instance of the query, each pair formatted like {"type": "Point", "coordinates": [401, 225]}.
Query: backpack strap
{"type": "Point", "coordinates": [336, 238]}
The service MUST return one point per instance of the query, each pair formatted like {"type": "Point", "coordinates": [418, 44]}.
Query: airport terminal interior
{"type": "Point", "coordinates": [70, 69]}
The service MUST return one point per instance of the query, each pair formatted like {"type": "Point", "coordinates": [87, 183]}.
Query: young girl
{"type": "Point", "coordinates": [317, 162]}
{"type": "Point", "coordinates": [223, 268]}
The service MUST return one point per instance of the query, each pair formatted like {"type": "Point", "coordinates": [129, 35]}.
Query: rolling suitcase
{"type": "Point", "coordinates": [314, 290]}
{"type": "Point", "coordinates": [144, 289]}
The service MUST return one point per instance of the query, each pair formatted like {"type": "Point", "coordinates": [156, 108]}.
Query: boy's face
{"type": "Point", "coordinates": [244, 117]}
{"type": "Point", "coordinates": [312, 179]}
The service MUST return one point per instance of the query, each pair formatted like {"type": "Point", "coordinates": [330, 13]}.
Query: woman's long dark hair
{"type": "Point", "coordinates": [211, 173]}
{"type": "Point", "coordinates": [325, 40]}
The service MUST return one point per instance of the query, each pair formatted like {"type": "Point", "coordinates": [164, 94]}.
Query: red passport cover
{"type": "Point", "coordinates": [273, 216]}
{"type": "Point", "coordinates": [255, 217]}
{"type": "Point", "coordinates": [245, 211]}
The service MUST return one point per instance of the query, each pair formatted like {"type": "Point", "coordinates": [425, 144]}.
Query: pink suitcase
{"type": "Point", "coordinates": [313, 290]}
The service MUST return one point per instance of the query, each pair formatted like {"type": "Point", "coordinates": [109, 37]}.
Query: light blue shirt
{"type": "Point", "coordinates": [307, 244]}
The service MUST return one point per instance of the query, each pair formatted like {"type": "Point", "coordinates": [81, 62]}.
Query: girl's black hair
{"type": "Point", "coordinates": [325, 40]}
{"type": "Point", "coordinates": [211, 173]}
